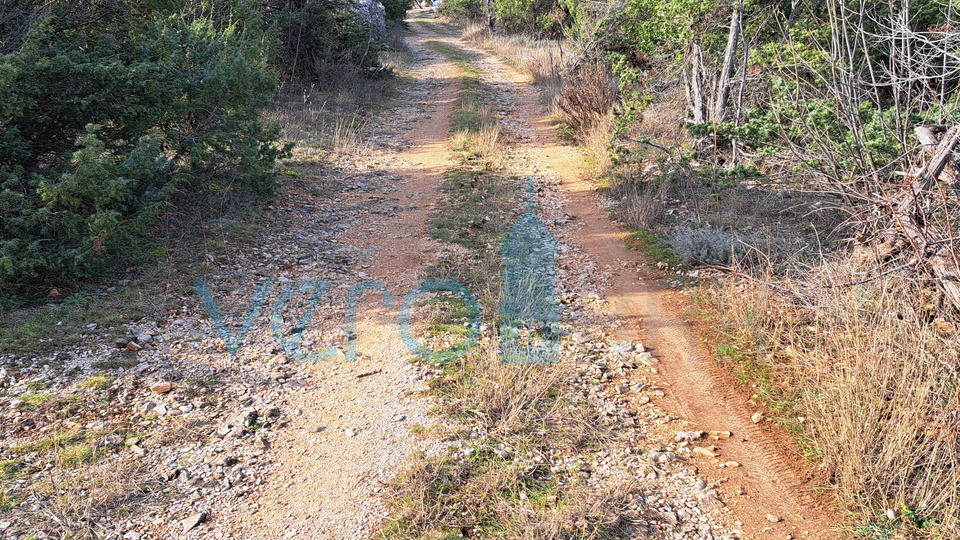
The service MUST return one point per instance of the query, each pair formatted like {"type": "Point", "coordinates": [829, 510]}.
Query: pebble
{"type": "Point", "coordinates": [757, 418]}
{"type": "Point", "coordinates": [773, 518]}
{"type": "Point", "coordinates": [706, 452]}
{"type": "Point", "coordinates": [688, 436]}
{"type": "Point", "coordinates": [161, 387]}
{"type": "Point", "coordinates": [193, 521]}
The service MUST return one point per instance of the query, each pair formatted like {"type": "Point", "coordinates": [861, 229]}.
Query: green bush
{"type": "Point", "coordinates": [531, 17]}
{"type": "Point", "coordinates": [319, 40]}
{"type": "Point", "coordinates": [470, 10]}
{"type": "Point", "coordinates": [397, 9]}
{"type": "Point", "coordinates": [101, 123]}
{"type": "Point", "coordinates": [541, 18]}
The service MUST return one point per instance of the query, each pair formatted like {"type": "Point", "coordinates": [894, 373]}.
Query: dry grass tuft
{"type": "Point", "coordinates": [344, 133]}
{"type": "Point", "coordinates": [501, 482]}
{"type": "Point", "coordinates": [642, 203]}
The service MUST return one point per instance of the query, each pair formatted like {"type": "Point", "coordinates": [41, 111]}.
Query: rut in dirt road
{"type": "Point", "coordinates": [352, 427]}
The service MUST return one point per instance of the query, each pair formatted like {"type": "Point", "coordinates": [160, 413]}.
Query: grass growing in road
{"type": "Point", "coordinates": [653, 246]}
{"type": "Point", "coordinates": [513, 425]}
{"type": "Point", "coordinates": [476, 132]}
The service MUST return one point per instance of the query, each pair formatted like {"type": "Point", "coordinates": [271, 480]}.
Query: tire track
{"type": "Point", "coordinates": [696, 387]}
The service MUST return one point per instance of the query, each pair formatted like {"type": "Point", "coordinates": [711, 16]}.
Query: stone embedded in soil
{"type": "Point", "coordinates": [193, 521]}
{"type": "Point", "coordinates": [647, 359]}
{"type": "Point", "coordinates": [705, 452]}
{"type": "Point", "coordinates": [161, 387]}
{"type": "Point", "coordinates": [773, 518]}
{"type": "Point", "coordinates": [757, 418]}
{"type": "Point", "coordinates": [688, 436]}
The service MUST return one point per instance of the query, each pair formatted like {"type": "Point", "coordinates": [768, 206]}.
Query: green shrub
{"type": "Point", "coordinates": [319, 40]}
{"type": "Point", "coordinates": [397, 9]}
{"type": "Point", "coordinates": [542, 18]}
{"type": "Point", "coordinates": [532, 17]}
{"type": "Point", "coordinates": [471, 10]}
{"type": "Point", "coordinates": [101, 123]}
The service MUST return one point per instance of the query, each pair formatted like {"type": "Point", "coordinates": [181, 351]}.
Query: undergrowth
{"type": "Point", "coordinates": [867, 384]}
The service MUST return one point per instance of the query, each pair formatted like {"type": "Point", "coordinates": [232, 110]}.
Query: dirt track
{"type": "Point", "coordinates": [350, 437]}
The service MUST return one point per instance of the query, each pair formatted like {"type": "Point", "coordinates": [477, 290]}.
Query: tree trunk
{"type": "Point", "coordinates": [695, 83]}
{"type": "Point", "coordinates": [729, 54]}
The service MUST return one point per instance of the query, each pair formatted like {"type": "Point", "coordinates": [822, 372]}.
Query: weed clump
{"type": "Point", "coordinates": [704, 245]}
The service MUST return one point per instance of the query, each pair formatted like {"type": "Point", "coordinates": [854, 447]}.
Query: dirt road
{"type": "Point", "coordinates": [351, 433]}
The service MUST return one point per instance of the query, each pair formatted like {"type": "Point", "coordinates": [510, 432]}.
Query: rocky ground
{"type": "Point", "coordinates": [153, 429]}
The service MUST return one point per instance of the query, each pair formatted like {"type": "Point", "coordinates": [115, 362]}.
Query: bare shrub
{"type": "Point", "coordinates": [588, 94]}
{"type": "Point", "coordinates": [641, 204]}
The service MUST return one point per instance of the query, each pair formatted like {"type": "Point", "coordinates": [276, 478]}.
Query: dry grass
{"type": "Point", "coordinates": [510, 425]}
{"type": "Point", "coordinates": [482, 145]}
{"type": "Point", "coordinates": [517, 420]}
{"type": "Point", "coordinates": [877, 377]}
{"type": "Point", "coordinates": [543, 61]}
{"type": "Point", "coordinates": [344, 133]}
{"type": "Point", "coordinates": [579, 94]}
